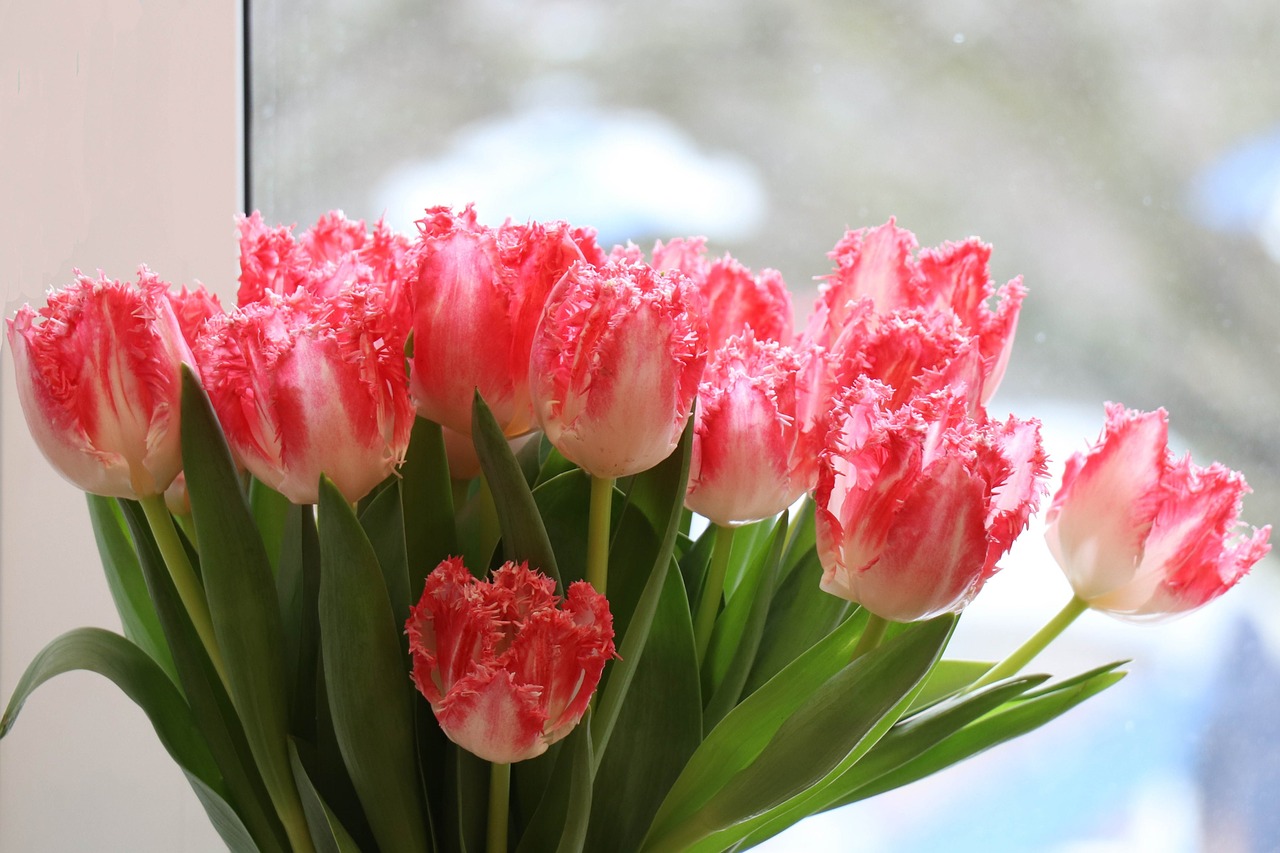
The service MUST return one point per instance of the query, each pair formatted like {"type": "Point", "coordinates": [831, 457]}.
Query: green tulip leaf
{"type": "Point", "coordinates": [834, 726]}
{"type": "Point", "coordinates": [662, 719]}
{"type": "Point", "coordinates": [141, 679]}
{"type": "Point", "coordinates": [426, 496]}
{"type": "Point", "coordinates": [211, 708]}
{"type": "Point", "coordinates": [383, 523]}
{"type": "Point", "coordinates": [327, 832]}
{"type": "Point", "coordinates": [524, 537]}
{"type": "Point", "coordinates": [366, 679]}
{"type": "Point", "coordinates": [124, 580]}
{"type": "Point", "coordinates": [270, 513]}
{"type": "Point", "coordinates": [241, 590]}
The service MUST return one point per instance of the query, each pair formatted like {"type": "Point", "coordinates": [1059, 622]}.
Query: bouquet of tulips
{"type": "Point", "coordinates": [377, 535]}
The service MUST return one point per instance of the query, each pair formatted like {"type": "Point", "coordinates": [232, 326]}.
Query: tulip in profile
{"type": "Point", "coordinates": [1142, 533]}
{"type": "Point", "coordinates": [305, 386]}
{"type": "Point", "coordinates": [99, 380]}
{"type": "Point", "coordinates": [508, 671]}
{"type": "Point", "coordinates": [615, 366]}
{"type": "Point", "coordinates": [916, 505]}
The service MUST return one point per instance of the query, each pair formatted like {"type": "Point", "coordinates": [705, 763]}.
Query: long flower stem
{"type": "Point", "coordinates": [871, 636]}
{"type": "Point", "coordinates": [712, 590]}
{"type": "Point", "coordinates": [499, 805]}
{"type": "Point", "coordinates": [598, 533]}
{"type": "Point", "coordinates": [184, 577]}
{"type": "Point", "coordinates": [1014, 663]}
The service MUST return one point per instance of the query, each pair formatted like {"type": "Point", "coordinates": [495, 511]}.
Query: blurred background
{"type": "Point", "coordinates": [1123, 157]}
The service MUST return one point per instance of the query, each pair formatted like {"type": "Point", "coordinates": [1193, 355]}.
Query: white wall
{"type": "Point", "coordinates": [119, 144]}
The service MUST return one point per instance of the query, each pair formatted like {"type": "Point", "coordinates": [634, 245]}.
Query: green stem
{"type": "Point", "coordinates": [598, 533]}
{"type": "Point", "coordinates": [1014, 663]}
{"type": "Point", "coordinates": [499, 805]}
{"type": "Point", "coordinates": [871, 635]}
{"type": "Point", "coordinates": [709, 602]}
{"type": "Point", "coordinates": [184, 577]}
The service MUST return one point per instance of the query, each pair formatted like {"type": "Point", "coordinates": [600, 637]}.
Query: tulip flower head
{"type": "Point", "coordinates": [751, 456]}
{"type": "Point", "coordinates": [615, 366]}
{"type": "Point", "coordinates": [916, 505]}
{"type": "Point", "coordinates": [1141, 533]}
{"type": "Point", "coordinates": [508, 670]}
{"type": "Point", "coordinates": [305, 386]}
{"type": "Point", "coordinates": [99, 380]}
{"type": "Point", "coordinates": [477, 295]}
{"type": "Point", "coordinates": [877, 264]}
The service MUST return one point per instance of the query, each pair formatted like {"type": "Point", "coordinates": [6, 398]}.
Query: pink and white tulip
{"type": "Point", "coordinates": [99, 381]}
{"type": "Point", "coordinates": [305, 386]}
{"type": "Point", "coordinates": [508, 670]}
{"type": "Point", "coordinates": [615, 366]}
{"type": "Point", "coordinates": [1142, 533]}
{"type": "Point", "coordinates": [877, 264]}
{"type": "Point", "coordinates": [477, 294]}
{"type": "Point", "coordinates": [751, 456]}
{"type": "Point", "coordinates": [916, 505]}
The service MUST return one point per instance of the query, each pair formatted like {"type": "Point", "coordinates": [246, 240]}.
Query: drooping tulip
{"type": "Point", "coordinates": [99, 380]}
{"type": "Point", "coordinates": [916, 505]}
{"type": "Point", "coordinates": [304, 386]}
{"type": "Point", "coordinates": [477, 294]}
{"type": "Point", "coordinates": [507, 669]}
{"type": "Point", "coordinates": [615, 366]}
{"type": "Point", "coordinates": [1142, 533]}
{"type": "Point", "coordinates": [752, 457]}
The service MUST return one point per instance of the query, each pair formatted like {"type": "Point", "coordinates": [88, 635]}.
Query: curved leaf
{"type": "Point", "coordinates": [833, 727]}
{"type": "Point", "coordinates": [327, 832]}
{"type": "Point", "coordinates": [561, 819]}
{"type": "Point", "coordinates": [147, 685]}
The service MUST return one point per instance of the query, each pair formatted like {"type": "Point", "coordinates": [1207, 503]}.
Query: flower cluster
{"type": "Point", "coordinates": [342, 335]}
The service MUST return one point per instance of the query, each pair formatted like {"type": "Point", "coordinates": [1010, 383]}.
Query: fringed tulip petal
{"type": "Point", "coordinates": [615, 366]}
{"type": "Point", "coordinates": [99, 381]}
{"type": "Point", "coordinates": [508, 670]}
{"type": "Point", "coordinates": [1140, 533]}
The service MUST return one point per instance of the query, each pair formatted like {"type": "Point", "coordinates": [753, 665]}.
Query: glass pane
{"type": "Point", "coordinates": [1124, 158]}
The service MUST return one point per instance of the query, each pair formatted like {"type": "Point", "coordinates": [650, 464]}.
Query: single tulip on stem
{"type": "Point", "coordinates": [1140, 533]}
{"type": "Point", "coordinates": [99, 380]}
{"type": "Point", "coordinates": [613, 375]}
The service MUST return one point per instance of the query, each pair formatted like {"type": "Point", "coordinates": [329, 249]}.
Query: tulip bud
{"type": "Point", "coordinates": [751, 456]}
{"type": "Point", "coordinates": [916, 505]}
{"type": "Point", "coordinates": [1141, 533]}
{"type": "Point", "coordinates": [305, 386]}
{"type": "Point", "coordinates": [477, 294]}
{"type": "Point", "coordinates": [615, 366]}
{"type": "Point", "coordinates": [507, 670]}
{"type": "Point", "coordinates": [99, 380]}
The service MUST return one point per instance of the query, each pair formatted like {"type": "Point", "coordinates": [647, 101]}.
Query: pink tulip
{"type": "Point", "coordinates": [877, 264]}
{"type": "Point", "coordinates": [734, 300]}
{"type": "Point", "coordinates": [507, 671]}
{"type": "Point", "coordinates": [477, 294]}
{"type": "Point", "coordinates": [615, 366]}
{"type": "Point", "coordinates": [99, 380]}
{"type": "Point", "coordinates": [304, 386]}
{"type": "Point", "coordinates": [913, 352]}
{"type": "Point", "coordinates": [751, 457]}
{"type": "Point", "coordinates": [915, 505]}
{"type": "Point", "coordinates": [1141, 533]}
{"type": "Point", "coordinates": [330, 255]}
